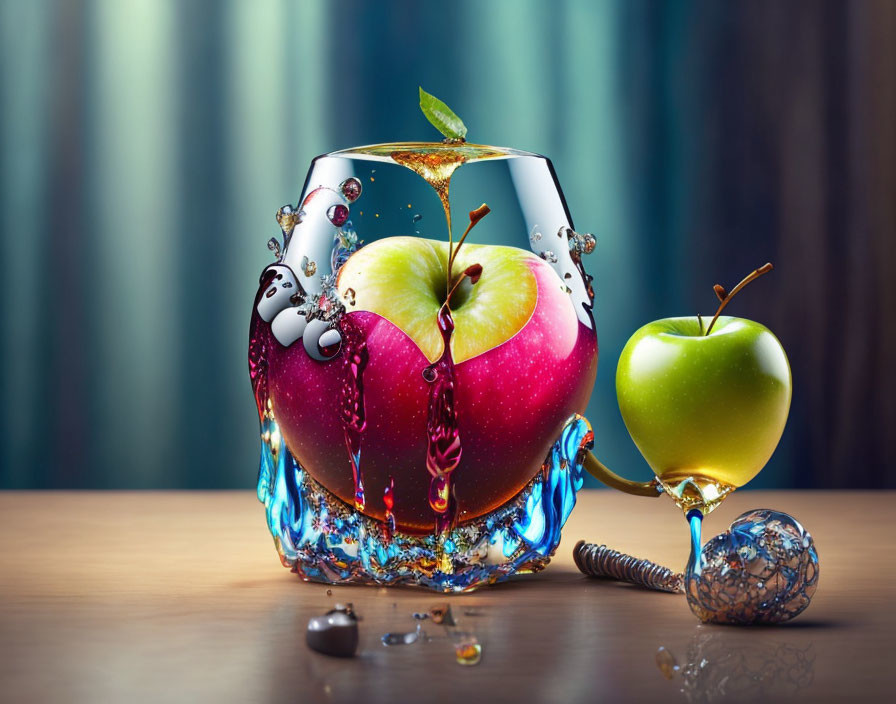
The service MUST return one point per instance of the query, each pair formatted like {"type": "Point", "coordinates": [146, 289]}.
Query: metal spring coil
{"type": "Point", "coordinates": [606, 563]}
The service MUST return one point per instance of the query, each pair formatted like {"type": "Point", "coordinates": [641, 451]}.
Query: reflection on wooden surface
{"type": "Point", "coordinates": [179, 596]}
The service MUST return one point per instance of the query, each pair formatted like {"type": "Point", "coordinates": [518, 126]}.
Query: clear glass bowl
{"type": "Point", "coordinates": [420, 382]}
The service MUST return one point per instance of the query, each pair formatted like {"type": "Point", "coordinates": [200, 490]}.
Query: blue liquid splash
{"type": "Point", "coordinates": [323, 539]}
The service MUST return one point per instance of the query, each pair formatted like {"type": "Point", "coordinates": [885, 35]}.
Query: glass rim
{"type": "Point", "coordinates": [470, 152]}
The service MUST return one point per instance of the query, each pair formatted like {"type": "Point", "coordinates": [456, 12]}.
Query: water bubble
{"type": "Point", "coordinates": [429, 374]}
{"type": "Point", "coordinates": [337, 214]}
{"type": "Point", "coordinates": [548, 256]}
{"type": "Point", "coordinates": [351, 189]}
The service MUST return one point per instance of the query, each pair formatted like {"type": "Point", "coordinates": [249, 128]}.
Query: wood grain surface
{"type": "Point", "coordinates": [179, 596]}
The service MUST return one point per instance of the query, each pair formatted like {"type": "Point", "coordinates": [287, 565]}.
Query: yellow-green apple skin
{"type": "Point", "coordinates": [704, 405]}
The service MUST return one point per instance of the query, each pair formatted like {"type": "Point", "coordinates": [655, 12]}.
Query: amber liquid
{"type": "Point", "coordinates": [692, 491]}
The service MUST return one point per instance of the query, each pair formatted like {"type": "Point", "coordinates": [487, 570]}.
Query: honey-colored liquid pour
{"type": "Point", "coordinates": [436, 168]}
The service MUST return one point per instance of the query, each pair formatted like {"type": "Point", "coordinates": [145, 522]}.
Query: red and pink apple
{"type": "Point", "coordinates": [524, 364]}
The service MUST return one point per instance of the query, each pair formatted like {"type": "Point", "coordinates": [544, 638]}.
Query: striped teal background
{"type": "Point", "coordinates": [146, 144]}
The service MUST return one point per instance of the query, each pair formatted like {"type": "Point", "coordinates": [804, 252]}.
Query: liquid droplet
{"type": "Point", "coordinates": [309, 267]}
{"type": "Point", "coordinates": [389, 504]}
{"type": "Point", "coordinates": [390, 639]}
{"type": "Point", "coordinates": [274, 246]}
{"type": "Point", "coordinates": [351, 189]}
{"type": "Point", "coordinates": [338, 214]}
{"type": "Point", "coordinates": [579, 242]}
{"type": "Point", "coordinates": [288, 218]}
{"type": "Point", "coordinates": [439, 493]}
{"type": "Point", "coordinates": [354, 419]}
{"type": "Point", "coordinates": [468, 652]}
{"type": "Point", "coordinates": [666, 663]}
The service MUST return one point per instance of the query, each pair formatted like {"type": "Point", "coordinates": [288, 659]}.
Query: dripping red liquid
{"type": "Point", "coordinates": [354, 420]}
{"type": "Point", "coordinates": [389, 504]}
{"type": "Point", "coordinates": [443, 450]}
{"type": "Point", "coordinates": [258, 363]}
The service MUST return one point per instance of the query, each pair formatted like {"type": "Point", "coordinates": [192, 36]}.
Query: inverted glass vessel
{"type": "Point", "coordinates": [421, 352]}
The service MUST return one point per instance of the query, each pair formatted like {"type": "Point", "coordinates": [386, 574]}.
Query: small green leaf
{"type": "Point", "coordinates": [441, 116]}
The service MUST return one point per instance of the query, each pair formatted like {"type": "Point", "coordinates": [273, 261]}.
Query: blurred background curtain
{"type": "Point", "coordinates": [146, 144]}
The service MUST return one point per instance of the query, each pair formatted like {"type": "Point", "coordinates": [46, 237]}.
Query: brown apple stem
{"type": "Point", "coordinates": [604, 474]}
{"type": "Point", "coordinates": [473, 272]}
{"type": "Point", "coordinates": [475, 217]}
{"type": "Point", "coordinates": [725, 297]}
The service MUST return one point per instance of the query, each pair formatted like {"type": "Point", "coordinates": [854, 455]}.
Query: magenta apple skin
{"type": "Point", "coordinates": [512, 402]}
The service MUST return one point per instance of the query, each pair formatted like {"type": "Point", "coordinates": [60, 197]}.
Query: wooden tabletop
{"type": "Point", "coordinates": [179, 596]}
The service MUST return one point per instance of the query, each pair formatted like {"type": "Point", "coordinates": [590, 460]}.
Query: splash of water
{"type": "Point", "coordinates": [323, 539]}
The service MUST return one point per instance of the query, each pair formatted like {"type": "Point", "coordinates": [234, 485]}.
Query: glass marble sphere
{"type": "Point", "coordinates": [762, 570]}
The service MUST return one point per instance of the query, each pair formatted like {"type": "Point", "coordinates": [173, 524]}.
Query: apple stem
{"type": "Point", "coordinates": [604, 474]}
{"type": "Point", "coordinates": [764, 269]}
{"type": "Point", "coordinates": [475, 217]}
{"type": "Point", "coordinates": [473, 272]}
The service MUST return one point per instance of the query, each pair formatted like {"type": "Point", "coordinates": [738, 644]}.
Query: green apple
{"type": "Point", "coordinates": [403, 279]}
{"type": "Point", "coordinates": [707, 407]}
